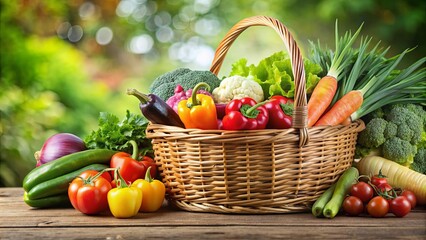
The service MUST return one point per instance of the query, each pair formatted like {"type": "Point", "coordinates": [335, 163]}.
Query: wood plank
{"type": "Point", "coordinates": [17, 220]}
{"type": "Point", "coordinates": [212, 232]}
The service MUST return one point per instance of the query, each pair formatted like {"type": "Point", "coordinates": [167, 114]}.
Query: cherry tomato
{"type": "Point", "coordinates": [400, 206]}
{"type": "Point", "coordinates": [410, 197]}
{"type": "Point", "coordinates": [384, 187]}
{"type": "Point", "coordinates": [363, 191]}
{"type": "Point", "coordinates": [353, 206]}
{"type": "Point", "coordinates": [378, 179]}
{"type": "Point", "coordinates": [378, 207]}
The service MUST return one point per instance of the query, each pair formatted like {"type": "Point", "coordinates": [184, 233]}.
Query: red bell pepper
{"type": "Point", "coordinates": [131, 168]}
{"type": "Point", "coordinates": [280, 111]}
{"type": "Point", "coordinates": [245, 114]}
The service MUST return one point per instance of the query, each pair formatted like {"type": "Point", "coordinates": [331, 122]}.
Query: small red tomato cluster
{"type": "Point", "coordinates": [377, 198]}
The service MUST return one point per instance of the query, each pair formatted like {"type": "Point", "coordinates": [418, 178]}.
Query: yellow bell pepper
{"type": "Point", "coordinates": [153, 192]}
{"type": "Point", "coordinates": [199, 111]}
{"type": "Point", "coordinates": [124, 201]}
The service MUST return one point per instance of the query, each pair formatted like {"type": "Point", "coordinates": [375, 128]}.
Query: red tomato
{"type": "Point", "coordinates": [410, 197]}
{"type": "Point", "coordinates": [384, 187]}
{"type": "Point", "coordinates": [353, 206]}
{"type": "Point", "coordinates": [89, 197]}
{"type": "Point", "coordinates": [400, 206]}
{"type": "Point", "coordinates": [378, 179]}
{"type": "Point", "coordinates": [363, 191]}
{"type": "Point", "coordinates": [378, 207]}
{"type": "Point", "coordinates": [90, 173]}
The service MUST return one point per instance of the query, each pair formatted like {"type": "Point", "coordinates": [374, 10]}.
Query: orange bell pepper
{"type": "Point", "coordinates": [153, 192]}
{"type": "Point", "coordinates": [199, 111]}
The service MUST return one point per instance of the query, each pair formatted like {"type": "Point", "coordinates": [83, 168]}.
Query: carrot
{"type": "Point", "coordinates": [397, 175]}
{"type": "Point", "coordinates": [321, 98]}
{"type": "Point", "coordinates": [326, 88]}
{"type": "Point", "coordinates": [342, 109]}
{"type": "Point", "coordinates": [346, 122]}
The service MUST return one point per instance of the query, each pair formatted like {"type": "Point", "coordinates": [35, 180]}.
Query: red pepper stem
{"type": "Point", "coordinates": [135, 154]}
{"type": "Point", "coordinates": [143, 98]}
{"type": "Point", "coordinates": [254, 107]}
{"type": "Point", "coordinates": [148, 177]}
{"type": "Point", "coordinates": [197, 87]}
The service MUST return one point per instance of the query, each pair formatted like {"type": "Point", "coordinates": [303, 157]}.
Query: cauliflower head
{"type": "Point", "coordinates": [237, 87]}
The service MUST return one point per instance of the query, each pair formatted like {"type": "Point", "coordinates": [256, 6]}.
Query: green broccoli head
{"type": "Point", "coordinates": [378, 113]}
{"type": "Point", "coordinates": [419, 164]}
{"type": "Point", "coordinates": [190, 79]}
{"type": "Point", "coordinates": [417, 109]}
{"type": "Point", "coordinates": [399, 151]}
{"type": "Point", "coordinates": [374, 133]}
{"type": "Point", "coordinates": [166, 78]}
{"type": "Point", "coordinates": [164, 86]}
{"type": "Point", "coordinates": [410, 126]}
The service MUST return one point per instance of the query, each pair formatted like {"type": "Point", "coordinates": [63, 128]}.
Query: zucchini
{"type": "Point", "coordinates": [59, 184]}
{"type": "Point", "coordinates": [57, 201]}
{"type": "Point", "coordinates": [320, 203]}
{"type": "Point", "coordinates": [343, 185]}
{"type": "Point", "coordinates": [66, 164]}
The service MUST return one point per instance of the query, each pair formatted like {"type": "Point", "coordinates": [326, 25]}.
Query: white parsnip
{"type": "Point", "coordinates": [397, 175]}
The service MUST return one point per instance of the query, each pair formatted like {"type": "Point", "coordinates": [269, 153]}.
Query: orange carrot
{"type": "Point", "coordinates": [342, 109]}
{"type": "Point", "coordinates": [321, 98]}
{"type": "Point", "coordinates": [346, 122]}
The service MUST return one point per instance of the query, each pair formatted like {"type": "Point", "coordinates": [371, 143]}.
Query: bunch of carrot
{"type": "Point", "coordinates": [360, 81]}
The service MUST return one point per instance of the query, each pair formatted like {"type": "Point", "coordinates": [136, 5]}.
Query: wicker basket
{"type": "Point", "coordinates": [257, 171]}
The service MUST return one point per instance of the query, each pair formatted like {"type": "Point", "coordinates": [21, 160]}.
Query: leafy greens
{"type": "Point", "coordinates": [114, 134]}
{"type": "Point", "coordinates": [275, 76]}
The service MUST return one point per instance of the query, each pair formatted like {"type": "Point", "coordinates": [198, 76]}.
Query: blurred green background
{"type": "Point", "coordinates": [63, 62]}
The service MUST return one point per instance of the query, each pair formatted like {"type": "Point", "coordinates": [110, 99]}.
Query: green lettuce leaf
{"type": "Point", "coordinates": [275, 76]}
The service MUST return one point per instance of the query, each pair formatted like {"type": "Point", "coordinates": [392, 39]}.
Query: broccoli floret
{"type": "Point", "coordinates": [164, 85]}
{"type": "Point", "coordinates": [168, 77]}
{"type": "Point", "coordinates": [410, 126]}
{"type": "Point", "coordinates": [399, 151]}
{"type": "Point", "coordinates": [391, 130]}
{"type": "Point", "coordinates": [378, 113]}
{"type": "Point", "coordinates": [417, 109]}
{"type": "Point", "coordinates": [419, 164]}
{"type": "Point", "coordinates": [374, 133]}
{"type": "Point", "coordinates": [190, 79]}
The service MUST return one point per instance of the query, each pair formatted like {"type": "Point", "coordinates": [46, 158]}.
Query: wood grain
{"type": "Point", "coordinates": [18, 221]}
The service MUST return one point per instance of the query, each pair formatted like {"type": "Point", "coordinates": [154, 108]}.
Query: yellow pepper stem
{"type": "Point", "coordinates": [197, 87]}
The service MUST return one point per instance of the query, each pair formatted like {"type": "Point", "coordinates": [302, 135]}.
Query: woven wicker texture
{"type": "Point", "coordinates": [258, 171]}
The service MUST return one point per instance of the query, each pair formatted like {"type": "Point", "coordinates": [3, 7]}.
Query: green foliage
{"type": "Point", "coordinates": [275, 75]}
{"type": "Point", "coordinates": [114, 134]}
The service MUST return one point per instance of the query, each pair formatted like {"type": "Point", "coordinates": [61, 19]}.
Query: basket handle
{"type": "Point", "coordinates": [300, 100]}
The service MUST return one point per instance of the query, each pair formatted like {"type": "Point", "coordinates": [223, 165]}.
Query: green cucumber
{"type": "Point", "coordinates": [343, 185]}
{"type": "Point", "coordinates": [320, 203]}
{"type": "Point", "coordinates": [66, 164]}
{"type": "Point", "coordinates": [57, 201]}
{"type": "Point", "coordinates": [59, 184]}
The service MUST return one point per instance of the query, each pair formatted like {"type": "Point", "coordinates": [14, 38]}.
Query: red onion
{"type": "Point", "coordinates": [59, 145]}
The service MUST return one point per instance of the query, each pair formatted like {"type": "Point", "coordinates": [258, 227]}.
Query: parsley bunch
{"type": "Point", "coordinates": [114, 134]}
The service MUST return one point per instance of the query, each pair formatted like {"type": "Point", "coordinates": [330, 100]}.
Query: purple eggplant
{"type": "Point", "coordinates": [156, 110]}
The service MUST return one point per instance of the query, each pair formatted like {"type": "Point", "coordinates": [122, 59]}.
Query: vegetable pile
{"type": "Point", "coordinates": [112, 168]}
{"type": "Point", "coordinates": [373, 196]}
{"type": "Point", "coordinates": [97, 174]}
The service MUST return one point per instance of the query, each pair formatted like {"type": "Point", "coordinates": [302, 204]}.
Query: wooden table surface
{"type": "Point", "coordinates": [19, 221]}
